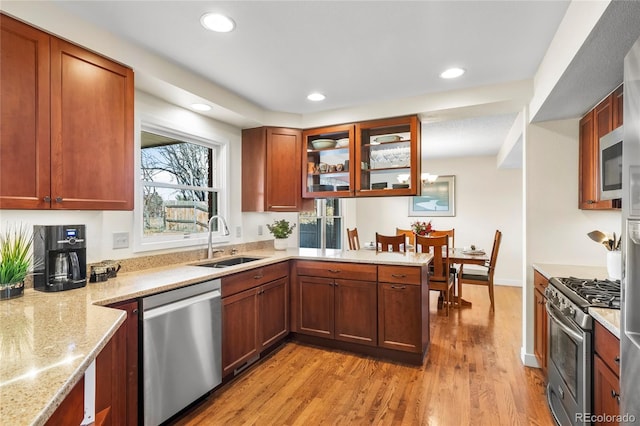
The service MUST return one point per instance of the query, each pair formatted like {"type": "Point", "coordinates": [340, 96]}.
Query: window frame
{"type": "Point", "coordinates": [144, 243]}
{"type": "Point", "coordinates": [322, 207]}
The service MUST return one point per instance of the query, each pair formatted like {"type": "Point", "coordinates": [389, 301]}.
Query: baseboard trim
{"type": "Point", "coordinates": [528, 359]}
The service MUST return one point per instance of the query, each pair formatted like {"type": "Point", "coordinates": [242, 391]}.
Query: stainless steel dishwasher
{"type": "Point", "coordinates": [182, 358]}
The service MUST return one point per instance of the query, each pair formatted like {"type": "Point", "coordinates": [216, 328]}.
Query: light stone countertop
{"type": "Point", "coordinates": [609, 318]}
{"type": "Point", "coordinates": [47, 340]}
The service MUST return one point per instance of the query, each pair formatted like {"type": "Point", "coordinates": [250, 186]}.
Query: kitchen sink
{"type": "Point", "coordinates": [230, 262]}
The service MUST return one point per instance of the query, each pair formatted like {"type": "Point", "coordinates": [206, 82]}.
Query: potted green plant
{"type": "Point", "coordinates": [281, 229]}
{"type": "Point", "coordinates": [15, 260]}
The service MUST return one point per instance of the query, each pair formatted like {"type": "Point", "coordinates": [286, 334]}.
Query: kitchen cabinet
{"type": "Point", "coordinates": [606, 374]}
{"type": "Point", "coordinates": [388, 157]}
{"type": "Point", "coordinates": [540, 320]}
{"type": "Point", "coordinates": [604, 118]}
{"type": "Point", "coordinates": [403, 308]}
{"type": "Point", "coordinates": [327, 162]}
{"type": "Point", "coordinates": [130, 328]}
{"type": "Point", "coordinates": [111, 379]}
{"type": "Point", "coordinates": [255, 313]}
{"type": "Point", "coordinates": [67, 133]}
{"type": "Point", "coordinates": [71, 409]}
{"type": "Point", "coordinates": [337, 301]}
{"type": "Point", "coordinates": [271, 170]}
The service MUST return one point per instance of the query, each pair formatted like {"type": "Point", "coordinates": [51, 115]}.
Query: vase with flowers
{"type": "Point", "coordinates": [421, 228]}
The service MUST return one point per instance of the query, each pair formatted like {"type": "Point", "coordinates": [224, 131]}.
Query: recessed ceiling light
{"type": "Point", "coordinates": [201, 107]}
{"type": "Point", "coordinates": [217, 22]}
{"type": "Point", "coordinates": [452, 73]}
{"type": "Point", "coordinates": [316, 97]}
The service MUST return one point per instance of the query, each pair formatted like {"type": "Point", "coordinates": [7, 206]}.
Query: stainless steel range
{"type": "Point", "coordinates": [569, 391]}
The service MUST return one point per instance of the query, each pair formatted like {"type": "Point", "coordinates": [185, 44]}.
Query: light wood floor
{"type": "Point", "coordinates": [472, 375]}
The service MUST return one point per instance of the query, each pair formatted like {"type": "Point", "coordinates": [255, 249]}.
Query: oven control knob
{"type": "Point", "coordinates": [568, 311]}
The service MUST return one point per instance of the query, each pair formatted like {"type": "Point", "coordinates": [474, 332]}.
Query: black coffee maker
{"type": "Point", "coordinates": [60, 256]}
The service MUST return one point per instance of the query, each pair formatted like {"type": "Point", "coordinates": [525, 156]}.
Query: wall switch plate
{"type": "Point", "coordinates": [259, 229]}
{"type": "Point", "coordinates": [238, 231]}
{"type": "Point", "coordinates": [120, 240]}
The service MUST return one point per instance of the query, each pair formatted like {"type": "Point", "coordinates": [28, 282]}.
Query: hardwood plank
{"type": "Point", "coordinates": [471, 375]}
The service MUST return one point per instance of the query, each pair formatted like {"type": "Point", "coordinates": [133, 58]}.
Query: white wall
{"type": "Point", "coordinates": [486, 199]}
{"type": "Point", "coordinates": [556, 229]}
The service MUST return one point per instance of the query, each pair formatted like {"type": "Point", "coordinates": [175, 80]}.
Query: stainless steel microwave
{"type": "Point", "coordinates": [611, 165]}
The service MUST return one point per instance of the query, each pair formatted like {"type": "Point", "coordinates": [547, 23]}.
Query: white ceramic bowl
{"type": "Point", "coordinates": [323, 143]}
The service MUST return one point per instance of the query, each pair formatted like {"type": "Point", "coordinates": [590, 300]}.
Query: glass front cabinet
{"type": "Point", "coordinates": [328, 160]}
{"type": "Point", "coordinates": [388, 156]}
{"type": "Point", "coordinates": [366, 159]}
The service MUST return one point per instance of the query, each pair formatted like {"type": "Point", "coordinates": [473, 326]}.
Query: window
{"type": "Point", "coordinates": [182, 186]}
{"type": "Point", "coordinates": [322, 227]}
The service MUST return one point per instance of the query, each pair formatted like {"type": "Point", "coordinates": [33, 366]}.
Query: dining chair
{"type": "Point", "coordinates": [440, 277]}
{"type": "Point", "coordinates": [451, 233]}
{"type": "Point", "coordinates": [483, 276]}
{"type": "Point", "coordinates": [354, 240]}
{"type": "Point", "coordinates": [390, 242]}
{"type": "Point", "coordinates": [409, 235]}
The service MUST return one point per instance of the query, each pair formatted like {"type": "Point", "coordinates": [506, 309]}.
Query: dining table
{"type": "Point", "coordinates": [461, 256]}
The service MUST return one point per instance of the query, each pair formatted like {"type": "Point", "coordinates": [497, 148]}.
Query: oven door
{"type": "Point", "coordinates": [569, 371]}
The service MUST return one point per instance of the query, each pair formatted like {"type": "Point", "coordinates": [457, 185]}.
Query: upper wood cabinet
{"type": "Point", "coordinates": [271, 170]}
{"type": "Point", "coordinates": [67, 124]}
{"type": "Point", "coordinates": [604, 118]}
{"type": "Point", "coordinates": [365, 159]}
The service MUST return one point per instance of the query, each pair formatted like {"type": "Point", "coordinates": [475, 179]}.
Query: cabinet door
{"type": "Point", "coordinates": [399, 317]}
{"type": "Point", "coordinates": [283, 193]}
{"type": "Point", "coordinates": [618, 107]}
{"type": "Point", "coordinates": [356, 311]}
{"type": "Point", "coordinates": [130, 329]}
{"type": "Point", "coordinates": [111, 378]}
{"type": "Point", "coordinates": [239, 329]}
{"type": "Point", "coordinates": [540, 329]}
{"type": "Point", "coordinates": [316, 306]}
{"type": "Point", "coordinates": [91, 130]}
{"type": "Point", "coordinates": [274, 312]}
{"type": "Point", "coordinates": [588, 163]}
{"type": "Point", "coordinates": [24, 108]}
{"type": "Point", "coordinates": [606, 391]}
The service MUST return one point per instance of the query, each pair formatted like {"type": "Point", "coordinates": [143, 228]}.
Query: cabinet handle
{"type": "Point", "coordinates": [399, 287]}
{"type": "Point", "coordinates": [615, 396]}
{"type": "Point", "coordinates": [47, 199]}
{"type": "Point", "coordinates": [591, 201]}
{"type": "Point", "coordinates": [617, 360]}
{"type": "Point", "coordinates": [334, 271]}
{"type": "Point", "coordinates": [398, 275]}
{"type": "Point", "coordinates": [135, 311]}
{"type": "Point", "coordinates": [257, 277]}
{"type": "Point", "coordinates": [58, 199]}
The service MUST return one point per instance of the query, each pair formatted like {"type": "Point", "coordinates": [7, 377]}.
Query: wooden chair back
{"type": "Point", "coordinates": [487, 280]}
{"type": "Point", "coordinates": [451, 233]}
{"type": "Point", "coordinates": [354, 240]}
{"type": "Point", "coordinates": [390, 242]}
{"type": "Point", "coordinates": [409, 235]}
{"type": "Point", "coordinates": [494, 254]}
{"type": "Point", "coordinates": [439, 247]}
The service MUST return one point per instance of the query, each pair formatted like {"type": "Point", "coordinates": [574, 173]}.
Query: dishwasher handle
{"type": "Point", "coordinates": [180, 304]}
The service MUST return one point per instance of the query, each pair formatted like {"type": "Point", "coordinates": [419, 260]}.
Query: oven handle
{"type": "Point", "coordinates": [563, 325]}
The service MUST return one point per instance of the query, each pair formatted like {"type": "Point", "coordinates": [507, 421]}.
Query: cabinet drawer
{"type": "Point", "coordinates": [245, 280]}
{"type": "Point", "coordinates": [353, 271]}
{"type": "Point", "coordinates": [607, 346]}
{"type": "Point", "coordinates": [399, 274]}
{"type": "Point", "coordinates": [539, 281]}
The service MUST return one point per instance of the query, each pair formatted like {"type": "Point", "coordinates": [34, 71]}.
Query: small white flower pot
{"type": "Point", "coordinates": [280, 244]}
{"type": "Point", "coordinates": [614, 264]}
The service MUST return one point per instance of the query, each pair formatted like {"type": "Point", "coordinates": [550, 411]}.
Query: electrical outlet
{"type": "Point", "coordinates": [238, 231]}
{"type": "Point", "coordinates": [120, 240]}
{"type": "Point", "coordinates": [259, 229]}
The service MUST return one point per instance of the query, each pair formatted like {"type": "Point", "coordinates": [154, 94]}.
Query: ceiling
{"type": "Point", "coordinates": [360, 53]}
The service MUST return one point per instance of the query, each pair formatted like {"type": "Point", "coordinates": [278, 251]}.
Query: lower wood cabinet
{"type": "Point", "coordinates": [606, 372]}
{"type": "Point", "coordinates": [129, 392]}
{"type": "Point", "coordinates": [540, 320]}
{"type": "Point", "coordinates": [381, 307]}
{"type": "Point", "coordinates": [255, 313]}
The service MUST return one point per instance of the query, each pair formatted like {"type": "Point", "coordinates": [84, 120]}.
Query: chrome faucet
{"type": "Point", "coordinates": [226, 232]}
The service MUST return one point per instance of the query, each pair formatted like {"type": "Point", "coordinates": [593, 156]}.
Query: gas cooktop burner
{"type": "Point", "coordinates": [600, 293]}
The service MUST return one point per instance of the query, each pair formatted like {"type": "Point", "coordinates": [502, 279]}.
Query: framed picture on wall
{"type": "Point", "coordinates": [437, 199]}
